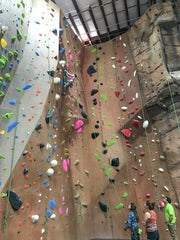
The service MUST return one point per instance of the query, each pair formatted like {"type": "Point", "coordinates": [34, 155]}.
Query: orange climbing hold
{"type": "Point", "coordinates": [27, 205]}
{"type": "Point", "coordinates": [20, 224]}
{"type": "Point", "coordinates": [22, 208]}
{"type": "Point", "coordinates": [25, 186]}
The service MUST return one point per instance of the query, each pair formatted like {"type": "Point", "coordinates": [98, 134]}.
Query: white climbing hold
{"type": "Point", "coordinates": [120, 38]}
{"type": "Point", "coordinates": [139, 117]}
{"type": "Point", "coordinates": [166, 188]}
{"type": "Point", "coordinates": [145, 124]}
{"type": "Point", "coordinates": [62, 63]}
{"type": "Point", "coordinates": [113, 66]}
{"type": "Point", "coordinates": [50, 172]}
{"type": "Point", "coordinates": [113, 58]}
{"type": "Point", "coordinates": [4, 28]}
{"type": "Point", "coordinates": [48, 146]}
{"type": "Point", "coordinates": [134, 73]}
{"type": "Point", "coordinates": [161, 170]}
{"type": "Point", "coordinates": [137, 95]}
{"type": "Point", "coordinates": [34, 218]}
{"type": "Point", "coordinates": [57, 80]}
{"type": "Point", "coordinates": [42, 231]}
{"type": "Point", "coordinates": [53, 163]}
{"type": "Point", "coordinates": [124, 67]}
{"type": "Point", "coordinates": [57, 97]}
{"type": "Point", "coordinates": [129, 83]}
{"type": "Point", "coordinates": [53, 216]}
{"type": "Point", "coordinates": [124, 44]}
{"type": "Point", "coordinates": [124, 108]}
{"type": "Point", "coordinates": [134, 180]}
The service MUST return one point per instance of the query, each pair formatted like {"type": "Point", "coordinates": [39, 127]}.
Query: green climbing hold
{"type": "Point", "coordinates": [94, 50]}
{"type": "Point", "coordinates": [13, 39]}
{"type": "Point", "coordinates": [22, 21]}
{"type": "Point", "coordinates": [3, 61]}
{"type": "Point", "coordinates": [10, 54]}
{"type": "Point", "coordinates": [7, 76]}
{"type": "Point", "coordinates": [18, 89]}
{"type": "Point", "coordinates": [140, 231]}
{"type": "Point", "coordinates": [101, 78]}
{"type": "Point", "coordinates": [112, 88]}
{"type": "Point", "coordinates": [119, 206]}
{"type": "Point", "coordinates": [18, 5]}
{"type": "Point", "coordinates": [104, 166]}
{"type": "Point", "coordinates": [113, 136]}
{"type": "Point", "coordinates": [108, 172]}
{"type": "Point", "coordinates": [25, 36]}
{"type": "Point", "coordinates": [3, 195]}
{"type": "Point", "coordinates": [5, 168]}
{"type": "Point", "coordinates": [125, 195]}
{"type": "Point", "coordinates": [23, 15]}
{"type": "Point", "coordinates": [103, 96]}
{"type": "Point", "coordinates": [104, 117]}
{"type": "Point", "coordinates": [2, 157]}
{"type": "Point", "coordinates": [16, 53]}
{"type": "Point", "coordinates": [1, 83]}
{"type": "Point", "coordinates": [92, 108]}
{"type": "Point", "coordinates": [110, 143]}
{"type": "Point", "coordinates": [101, 68]}
{"type": "Point", "coordinates": [7, 115]}
{"type": "Point", "coordinates": [23, 4]}
{"type": "Point", "coordinates": [109, 124]}
{"type": "Point", "coordinates": [2, 94]}
{"type": "Point", "coordinates": [125, 183]}
{"type": "Point", "coordinates": [97, 157]}
{"type": "Point", "coordinates": [19, 35]}
{"type": "Point", "coordinates": [97, 55]}
{"type": "Point", "coordinates": [94, 114]}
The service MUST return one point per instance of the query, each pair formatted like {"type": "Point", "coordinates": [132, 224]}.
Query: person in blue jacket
{"type": "Point", "coordinates": [132, 222]}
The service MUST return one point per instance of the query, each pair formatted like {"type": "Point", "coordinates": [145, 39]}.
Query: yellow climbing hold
{"type": "Point", "coordinates": [2, 132]}
{"type": "Point", "coordinates": [3, 43]}
{"type": "Point", "coordinates": [1, 78]}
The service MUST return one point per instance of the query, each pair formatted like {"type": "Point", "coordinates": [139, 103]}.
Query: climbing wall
{"type": "Point", "coordinates": [92, 151]}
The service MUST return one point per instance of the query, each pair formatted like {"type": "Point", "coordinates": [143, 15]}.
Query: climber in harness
{"type": "Point", "coordinates": [68, 80]}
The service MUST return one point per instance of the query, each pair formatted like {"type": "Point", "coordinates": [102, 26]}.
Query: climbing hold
{"type": "Point", "coordinates": [49, 115]}
{"type": "Point", "coordinates": [27, 86]}
{"type": "Point", "coordinates": [103, 206]}
{"type": "Point", "coordinates": [161, 204]}
{"type": "Point", "coordinates": [53, 216]}
{"type": "Point", "coordinates": [124, 108]}
{"type": "Point", "coordinates": [97, 157]}
{"type": "Point", "coordinates": [110, 143]}
{"type": "Point", "coordinates": [65, 166]}
{"type": "Point", "coordinates": [14, 200]}
{"type": "Point", "coordinates": [83, 114]}
{"type": "Point", "coordinates": [166, 188]}
{"type": "Point", "coordinates": [7, 76]}
{"type": "Point", "coordinates": [37, 53]}
{"type": "Point", "coordinates": [148, 195]}
{"type": "Point", "coordinates": [115, 162]}
{"type": "Point", "coordinates": [108, 172]}
{"type": "Point", "coordinates": [19, 35]}
{"type": "Point", "coordinates": [2, 157]}
{"type": "Point", "coordinates": [11, 126]}
{"type": "Point", "coordinates": [161, 170]}
{"type": "Point", "coordinates": [125, 195]}
{"type": "Point", "coordinates": [126, 132]}
{"type": "Point", "coordinates": [60, 32]}
{"type": "Point", "coordinates": [117, 93]}
{"type": "Point", "coordinates": [93, 92]}
{"type": "Point", "coordinates": [48, 213]}
{"type": "Point", "coordinates": [54, 163]}
{"type": "Point", "coordinates": [3, 61]}
{"type": "Point", "coordinates": [135, 122]}
{"type": "Point", "coordinates": [7, 115]}
{"type": "Point", "coordinates": [78, 126]}
{"type": "Point", "coordinates": [60, 211]}
{"type": "Point", "coordinates": [50, 172]}
{"type": "Point", "coordinates": [57, 80]}
{"type": "Point", "coordinates": [104, 97]}
{"type": "Point", "coordinates": [52, 204]}
{"type": "Point", "coordinates": [77, 196]}
{"type": "Point", "coordinates": [162, 158]}
{"type": "Point", "coordinates": [79, 53]}
{"type": "Point", "coordinates": [3, 43]}
{"type": "Point", "coordinates": [57, 97]}
{"type": "Point", "coordinates": [119, 206]}
{"type": "Point", "coordinates": [94, 135]}
{"type": "Point", "coordinates": [91, 70]}
{"type": "Point", "coordinates": [34, 218]}
{"type": "Point", "coordinates": [145, 124]}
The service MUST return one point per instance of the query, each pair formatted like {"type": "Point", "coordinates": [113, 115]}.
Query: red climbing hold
{"type": "Point", "coordinates": [135, 122]}
{"type": "Point", "coordinates": [126, 132]}
{"type": "Point", "coordinates": [142, 154]}
{"type": "Point", "coordinates": [117, 93]}
{"type": "Point", "coordinates": [142, 173]}
{"type": "Point", "coordinates": [131, 101]}
{"type": "Point", "coordinates": [134, 167]}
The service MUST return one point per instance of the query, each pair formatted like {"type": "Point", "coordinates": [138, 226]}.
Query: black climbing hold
{"type": "Point", "coordinates": [83, 114]}
{"type": "Point", "coordinates": [38, 126]}
{"type": "Point", "coordinates": [41, 145]}
{"type": "Point", "coordinates": [103, 206]}
{"type": "Point", "coordinates": [112, 180]}
{"type": "Point", "coordinates": [54, 31]}
{"type": "Point", "coordinates": [14, 200]}
{"type": "Point", "coordinates": [97, 59]}
{"type": "Point", "coordinates": [101, 83]}
{"type": "Point", "coordinates": [25, 152]}
{"type": "Point", "coordinates": [102, 193]}
{"type": "Point", "coordinates": [51, 73]}
{"type": "Point", "coordinates": [105, 151]}
{"type": "Point", "coordinates": [117, 170]}
{"type": "Point", "coordinates": [55, 57]}
{"type": "Point", "coordinates": [80, 106]}
{"type": "Point", "coordinates": [95, 80]}
{"type": "Point", "coordinates": [26, 170]}
{"type": "Point", "coordinates": [49, 115]}
{"type": "Point", "coordinates": [95, 101]}
{"type": "Point", "coordinates": [94, 135]}
{"type": "Point", "coordinates": [100, 48]}
{"type": "Point", "coordinates": [91, 70]}
{"type": "Point", "coordinates": [94, 63]}
{"type": "Point", "coordinates": [115, 162]}
{"type": "Point", "coordinates": [96, 126]}
{"type": "Point", "coordinates": [94, 91]}
{"type": "Point", "coordinates": [104, 144]}
{"type": "Point", "coordinates": [97, 121]}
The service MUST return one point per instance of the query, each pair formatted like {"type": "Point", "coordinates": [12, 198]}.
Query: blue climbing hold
{"type": "Point", "coordinates": [4, 85]}
{"type": "Point", "coordinates": [52, 204]}
{"type": "Point", "coordinates": [27, 86]}
{"type": "Point", "coordinates": [62, 50]}
{"type": "Point", "coordinates": [60, 32]}
{"type": "Point", "coordinates": [37, 22]}
{"type": "Point", "coordinates": [11, 126]}
{"type": "Point", "coordinates": [40, 174]}
{"type": "Point", "coordinates": [54, 148]}
{"type": "Point", "coordinates": [37, 53]}
{"type": "Point", "coordinates": [48, 213]}
{"type": "Point", "coordinates": [17, 59]}
{"type": "Point", "coordinates": [5, 50]}
{"type": "Point", "coordinates": [45, 181]}
{"type": "Point", "coordinates": [12, 102]}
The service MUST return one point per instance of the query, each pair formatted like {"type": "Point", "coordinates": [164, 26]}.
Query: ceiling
{"type": "Point", "coordinates": [97, 21]}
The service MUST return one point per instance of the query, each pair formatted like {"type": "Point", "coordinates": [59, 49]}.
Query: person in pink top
{"type": "Point", "coordinates": [150, 223]}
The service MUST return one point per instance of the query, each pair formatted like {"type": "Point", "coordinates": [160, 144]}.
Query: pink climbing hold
{"type": "Point", "coordinates": [68, 161]}
{"type": "Point", "coordinates": [68, 66]}
{"type": "Point", "coordinates": [78, 126]}
{"type": "Point", "coordinates": [69, 51]}
{"type": "Point", "coordinates": [142, 154]}
{"type": "Point", "coordinates": [135, 122]}
{"type": "Point", "coordinates": [67, 211]}
{"type": "Point", "coordinates": [128, 145]}
{"type": "Point", "coordinates": [60, 211]}
{"type": "Point", "coordinates": [71, 58]}
{"type": "Point", "coordinates": [148, 195]}
{"type": "Point", "coordinates": [79, 53]}
{"type": "Point", "coordinates": [65, 167]}
{"type": "Point", "coordinates": [134, 167]}
{"type": "Point", "coordinates": [126, 132]}
{"type": "Point", "coordinates": [161, 203]}
{"type": "Point", "coordinates": [126, 141]}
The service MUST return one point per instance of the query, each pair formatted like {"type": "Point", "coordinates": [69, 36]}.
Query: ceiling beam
{"type": "Point", "coordinates": [81, 18]}
{"type": "Point", "coordinates": [94, 21]}
{"type": "Point", "coordinates": [139, 9]}
{"type": "Point", "coordinates": [127, 13]}
{"type": "Point", "coordinates": [115, 14]}
{"type": "Point", "coordinates": [104, 15]}
{"type": "Point", "coordinates": [74, 25]}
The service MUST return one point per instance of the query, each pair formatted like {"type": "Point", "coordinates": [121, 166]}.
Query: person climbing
{"type": "Point", "coordinates": [132, 222]}
{"type": "Point", "coordinates": [170, 217]}
{"type": "Point", "coordinates": [150, 223]}
{"type": "Point", "coordinates": [68, 80]}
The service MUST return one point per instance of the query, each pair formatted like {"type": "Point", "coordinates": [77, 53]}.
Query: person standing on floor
{"type": "Point", "coordinates": [150, 221]}
{"type": "Point", "coordinates": [132, 222]}
{"type": "Point", "coordinates": [170, 217]}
